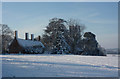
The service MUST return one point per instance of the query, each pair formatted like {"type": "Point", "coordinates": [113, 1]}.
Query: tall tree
{"type": "Point", "coordinates": [54, 37]}
{"type": "Point", "coordinates": [0, 45]}
{"type": "Point", "coordinates": [7, 36]}
{"type": "Point", "coordinates": [91, 46]}
{"type": "Point", "coordinates": [76, 31]}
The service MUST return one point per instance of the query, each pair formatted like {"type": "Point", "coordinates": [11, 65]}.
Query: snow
{"type": "Point", "coordinates": [0, 67]}
{"type": "Point", "coordinates": [28, 43]}
{"type": "Point", "coordinates": [46, 65]}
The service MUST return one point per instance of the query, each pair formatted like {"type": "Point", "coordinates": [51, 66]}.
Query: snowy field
{"type": "Point", "coordinates": [59, 66]}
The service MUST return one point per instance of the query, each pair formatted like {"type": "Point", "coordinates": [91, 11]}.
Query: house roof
{"type": "Point", "coordinates": [29, 43]}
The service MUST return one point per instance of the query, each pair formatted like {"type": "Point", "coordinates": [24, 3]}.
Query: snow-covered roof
{"type": "Point", "coordinates": [29, 43]}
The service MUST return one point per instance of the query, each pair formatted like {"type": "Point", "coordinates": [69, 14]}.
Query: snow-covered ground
{"type": "Point", "coordinates": [59, 66]}
{"type": "Point", "coordinates": [0, 67]}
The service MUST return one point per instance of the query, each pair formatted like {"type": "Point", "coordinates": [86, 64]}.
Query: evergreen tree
{"type": "Point", "coordinates": [91, 46]}
{"type": "Point", "coordinates": [54, 36]}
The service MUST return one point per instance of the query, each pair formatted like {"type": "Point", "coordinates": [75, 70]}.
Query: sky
{"type": "Point", "coordinates": [100, 18]}
{"type": "Point", "coordinates": [60, 0]}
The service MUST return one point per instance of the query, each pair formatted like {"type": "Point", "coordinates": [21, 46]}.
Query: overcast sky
{"type": "Point", "coordinates": [99, 18]}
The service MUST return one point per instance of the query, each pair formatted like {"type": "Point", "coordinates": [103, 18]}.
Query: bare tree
{"type": "Point", "coordinates": [76, 31]}
{"type": "Point", "coordinates": [0, 45]}
{"type": "Point", "coordinates": [75, 23]}
{"type": "Point", "coordinates": [7, 36]}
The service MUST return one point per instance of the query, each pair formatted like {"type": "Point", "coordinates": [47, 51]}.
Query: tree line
{"type": "Point", "coordinates": [62, 37]}
{"type": "Point", "coordinates": [68, 37]}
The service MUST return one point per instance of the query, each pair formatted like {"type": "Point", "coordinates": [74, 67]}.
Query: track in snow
{"type": "Point", "coordinates": [59, 66]}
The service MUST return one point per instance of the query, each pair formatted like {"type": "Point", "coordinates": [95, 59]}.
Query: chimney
{"type": "Point", "coordinates": [16, 34]}
{"type": "Point", "coordinates": [32, 37]}
{"type": "Point", "coordinates": [26, 36]}
{"type": "Point", "coordinates": [39, 38]}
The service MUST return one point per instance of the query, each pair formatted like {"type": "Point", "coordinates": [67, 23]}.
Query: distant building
{"type": "Point", "coordinates": [26, 46]}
